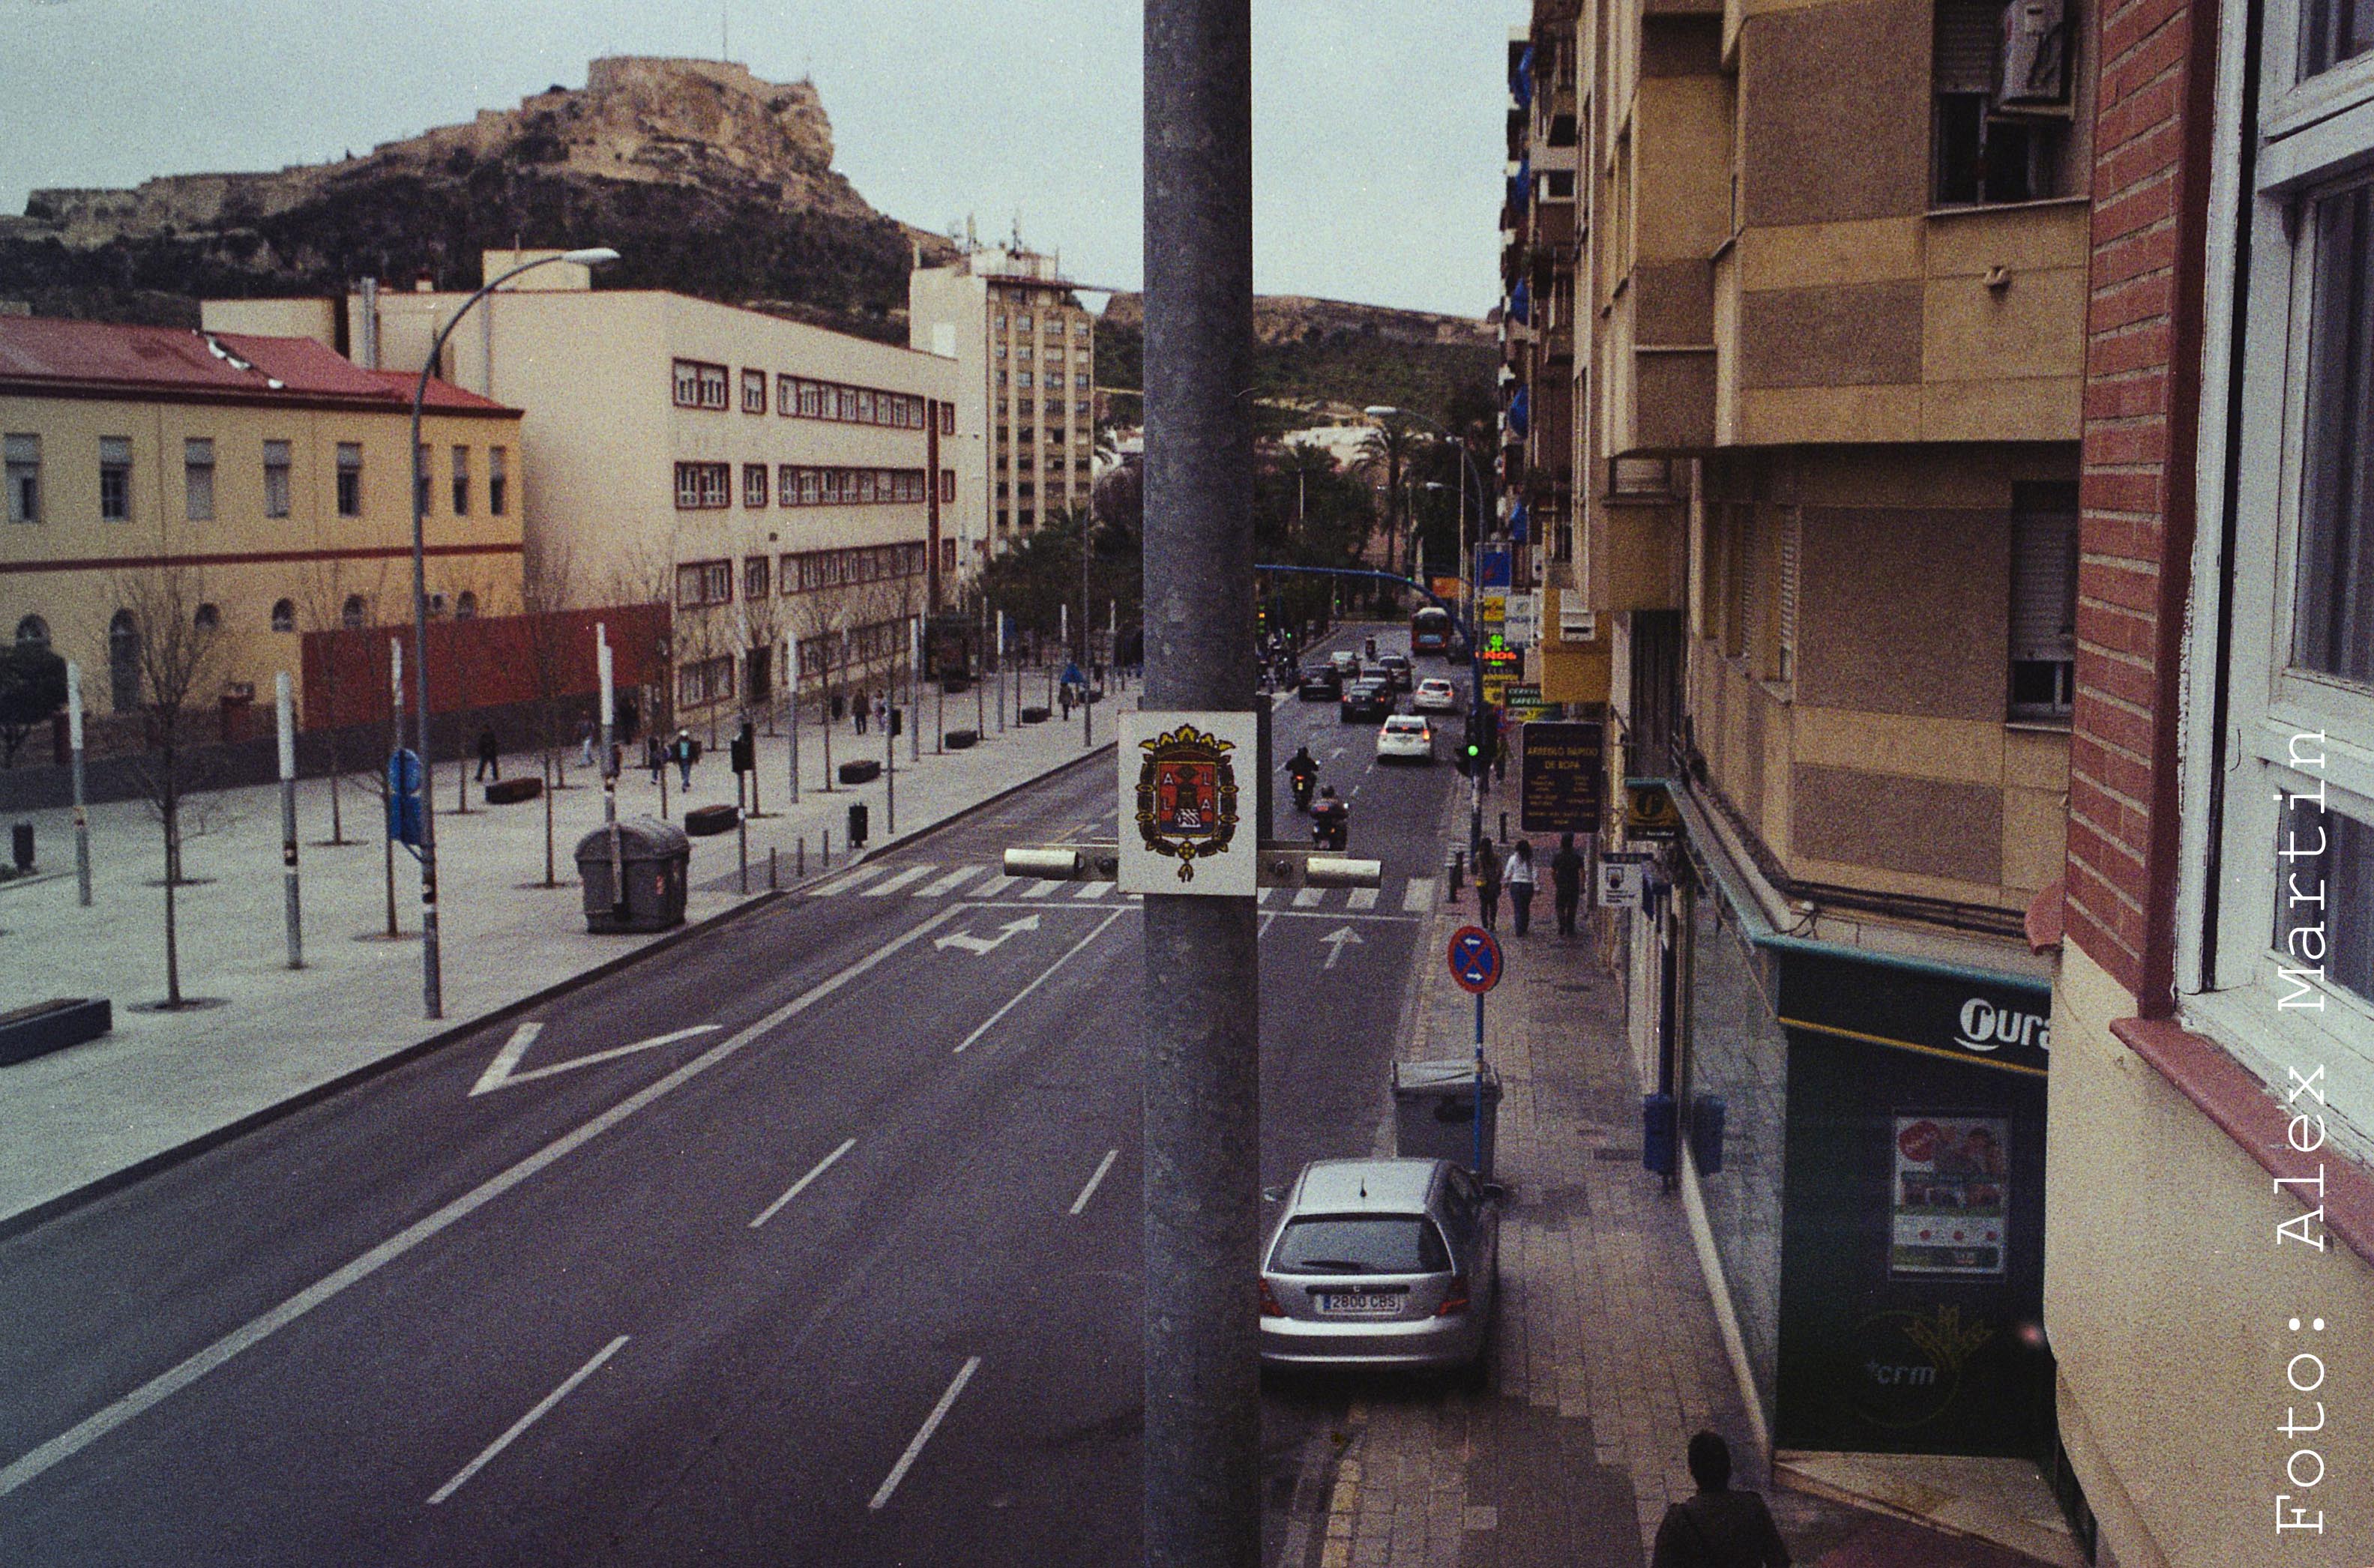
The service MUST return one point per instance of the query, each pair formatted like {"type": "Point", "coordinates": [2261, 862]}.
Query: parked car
{"type": "Point", "coordinates": [1405, 738]}
{"type": "Point", "coordinates": [1434, 695]}
{"type": "Point", "coordinates": [1319, 682]}
{"type": "Point", "coordinates": [1379, 1263]}
{"type": "Point", "coordinates": [1369, 698]}
{"type": "Point", "coordinates": [1398, 670]}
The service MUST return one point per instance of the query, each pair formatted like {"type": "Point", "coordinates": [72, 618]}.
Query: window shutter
{"type": "Point", "coordinates": [1791, 549]}
{"type": "Point", "coordinates": [1967, 30]}
{"type": "Point", "coordinates": [2043, 585]}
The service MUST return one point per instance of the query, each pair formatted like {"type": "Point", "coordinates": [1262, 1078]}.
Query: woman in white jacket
{"type": "Point", "coordinates": [1519, 876]}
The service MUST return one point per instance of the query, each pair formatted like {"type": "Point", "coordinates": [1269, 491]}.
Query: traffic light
{"type": "Point", "coordinates": [1470, 745]}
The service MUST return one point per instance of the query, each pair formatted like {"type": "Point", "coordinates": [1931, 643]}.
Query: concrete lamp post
{"type": "Point", "coordinates": [432, 983]}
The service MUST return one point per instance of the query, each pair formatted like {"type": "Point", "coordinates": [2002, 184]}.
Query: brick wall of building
{"type": "Point", "coordinates": [2156, 62]}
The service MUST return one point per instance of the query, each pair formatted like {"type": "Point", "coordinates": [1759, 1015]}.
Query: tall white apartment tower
{"type": "Point", "coordinates": [1025, 400]}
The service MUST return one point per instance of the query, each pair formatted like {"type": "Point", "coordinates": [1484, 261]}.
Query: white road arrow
{"type": "Point", "coordinates": [972, 943]}
{"type": "Point", "coordinates": [504, 1069]}
{"type": "Point", "coordinates": [1335, 940]}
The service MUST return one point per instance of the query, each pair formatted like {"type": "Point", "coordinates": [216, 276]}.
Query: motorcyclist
{"type": "Point", "coordinates": [1302, 772]}
{"type": "Point", "coordinates": [1331, 820]}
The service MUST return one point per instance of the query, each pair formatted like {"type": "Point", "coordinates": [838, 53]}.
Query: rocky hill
{"type": "Point", "coordinates": [705, 177]}
{"type": "Point", "coordinates": [1333, 356]}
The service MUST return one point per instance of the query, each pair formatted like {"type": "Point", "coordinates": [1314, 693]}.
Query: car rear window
{"type": "Point", "coordinates": [1360, 1244]}
{"type": "Point", "coordinates": [1405, 726]}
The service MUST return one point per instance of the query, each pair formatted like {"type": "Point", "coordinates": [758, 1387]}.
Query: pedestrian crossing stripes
{"type": "Point", "coordinates": [930, 881]}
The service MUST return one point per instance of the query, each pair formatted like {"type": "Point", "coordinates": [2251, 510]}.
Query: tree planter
{"type": "Point", "coordinates": [866, 770]}
{"type": "Point", "coordinates": [958, 740]}
{"type": "Point", "coordinates": [511, 791]}
{"type": "Point", "coordinates": [49, 1026]}
{"type": "Point", "coordinates": [1033, 716]}
{"type": "Point", "coordinates": [707, 821]}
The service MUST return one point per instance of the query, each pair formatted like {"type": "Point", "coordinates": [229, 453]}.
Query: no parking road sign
{"type": "Point", "coordinates": [1475, 959]}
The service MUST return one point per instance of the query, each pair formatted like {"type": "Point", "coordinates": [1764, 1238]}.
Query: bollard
{"type": "Point", "coordinates": [771, 884]}
{"type": "Point", "coordinates": [828, 848]}
{"type": "Point", "coordinates": [800, 859]}
{"type": "Point", "coordinates": [1453, 863]}
{"type": "Point", "coordinates": [1504, 828]}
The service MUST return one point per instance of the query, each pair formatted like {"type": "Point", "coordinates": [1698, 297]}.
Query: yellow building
{"type": "Point", "coordinates": [1026, 353]}
{"type": "Point", "coordinates": [780, 485]}
{"type": "Point", "coordinates": [256, 486]}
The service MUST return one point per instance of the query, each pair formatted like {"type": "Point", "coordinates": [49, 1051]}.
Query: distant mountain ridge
{"type": "Point", "coordinates": [705, 177]}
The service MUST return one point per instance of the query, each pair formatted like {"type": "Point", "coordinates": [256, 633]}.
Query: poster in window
{"type": "Point", "coordinates": [1950, 1208]}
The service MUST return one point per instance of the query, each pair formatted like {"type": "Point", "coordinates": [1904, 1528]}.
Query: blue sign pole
{"type": "Point", "coordinates": [1478, 1164]}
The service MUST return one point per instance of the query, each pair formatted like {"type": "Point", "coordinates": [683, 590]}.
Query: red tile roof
{"type": "Point", "coordinates": [40, 352]}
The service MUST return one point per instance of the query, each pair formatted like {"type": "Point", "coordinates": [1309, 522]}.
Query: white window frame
{"type": "Point", "coordinates": [2312, 137]}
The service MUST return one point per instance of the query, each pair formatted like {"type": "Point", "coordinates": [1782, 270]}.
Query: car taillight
{"type": "Point", "coordinates": [1269, 1302]}
{"type": "Point", "coordinates": [1454, 1301]}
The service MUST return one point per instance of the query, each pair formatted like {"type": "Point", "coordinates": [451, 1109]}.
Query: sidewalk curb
{"type": "Point", "coordinates": [66, 1202]}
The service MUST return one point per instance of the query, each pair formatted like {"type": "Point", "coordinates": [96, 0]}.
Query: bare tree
{"type": "Point", "coordinates": [323, 594]}
{"type": "Point", "coordinates": [173, 635]}
{"type": "Point", "coordinates": [819, 618]}
{"type": "Point", "coordinates": [646, 575]}
{"type": "Point", "coordinates": [545, 596]}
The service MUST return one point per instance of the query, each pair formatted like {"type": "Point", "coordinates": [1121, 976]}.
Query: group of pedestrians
{"type": "Point", "coordinates": [1516, 875]}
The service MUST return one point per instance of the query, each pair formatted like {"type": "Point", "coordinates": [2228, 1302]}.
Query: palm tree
{"type": "Point", "coordinates": [1388, 445]}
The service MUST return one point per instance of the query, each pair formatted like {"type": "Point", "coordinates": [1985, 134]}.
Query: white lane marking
{"type": "Point", "coordinates": [1039, 890]}
{"type": "Point", "coordinates": [979, 944]}
{"type": "Point", "coordinates": [533, 1416]}
{"type": "Point", "coordinates": [1090, 1190]}
{"type": "Point", "coordinates": [166, 1383]}
{"type": "Point", "coordinates": [1335, 940]}
{"type": "Point", "coordinates": [507, 1057]}
{"type": "Point", "coordinates": [1309, 898]}
{"type": "Point", "coordinates": [800, 1186]}
{"type": "Point", "coordinates": [1269, 918]}
{"type": "Point", "coordinates": [931, 1424]}
{"type": "Point", "coordinates": [843, 884]}
{"type": "Point", "coordinates": [997, 886]}
{"type": "Point", "coordinates": [1337, 752]}
{"type": "Point", "coordinates": [1419, 897]}
{"type": "Point", "coordinates": [503, 1070]}
{"type": "Point", "coordinates": [1088, 890]}
{"type": "Point", "coordinates": [889, 885]}
{"type": "Point", "coordinates": [1264, 896]}
{"type": "Point", "coordinates": [1361, 898]}
{"type": "Point", "coordinates": [990, 1021]}
{"type": "Point", "coordinates": [940, 886]}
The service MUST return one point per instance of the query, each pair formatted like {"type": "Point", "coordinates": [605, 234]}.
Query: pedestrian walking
{"type": "Point", "coordinates": [490, 756]}
{"type": "Point", "coordinates": [684, 752]}
{"type": "Point", "coordinates": [882, 713]}
{"type": "Point", "coordinates": [1566, 883]}
{"type": "Point", "coordinates": [586, 733]}
{"type": "Point", "coordinates": [1519, 875]}
{"type": "Point", "coordinates": [1063, 693]}
{"type": "Point", "coordinates": [654, 756]}
{"type": "Point", "coordinates": [860, 709]}
{"type": "Point", "coordinates": [1500, 759]}
{"type": "Point", "coordinates": [1488, 884]}
{"type": "Point", "coordinates": [1718, 1527]}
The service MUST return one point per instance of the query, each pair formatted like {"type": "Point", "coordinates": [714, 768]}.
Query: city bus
{"type": "Point", "coordinates": [1430, 630]}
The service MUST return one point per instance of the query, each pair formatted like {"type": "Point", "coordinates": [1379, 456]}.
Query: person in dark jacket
{"type": "Point", "coordinates": [654, 756]}
{"type": "Point", "coordinates": [1488, 884]}
{"type": "Point", "coordinates": [1718, 1528]}
{"type": "Point", "coordinates": [489, 757]}
{"type": "Point", "coordinates": [1566, 883]}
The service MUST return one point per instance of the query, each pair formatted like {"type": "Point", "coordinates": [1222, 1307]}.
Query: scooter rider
{"type": "Point", "coordinates": [1302, 772]}
{"type": "Point", "coordinates": [1331, 820]}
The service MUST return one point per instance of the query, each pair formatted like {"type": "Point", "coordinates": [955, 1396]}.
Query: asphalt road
{"type": "Point", "coordinates": [812, 1239]}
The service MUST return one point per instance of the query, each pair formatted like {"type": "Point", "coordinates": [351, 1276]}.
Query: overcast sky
{"type": "Point", "coordinates": [1378, 132]}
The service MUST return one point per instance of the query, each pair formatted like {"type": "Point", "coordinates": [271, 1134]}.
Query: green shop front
{"type": "Point", "coordinates": [1878, 1207]}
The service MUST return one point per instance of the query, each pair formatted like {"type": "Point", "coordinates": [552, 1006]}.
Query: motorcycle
{"type": "Point", "coordinates": [1303, 783]}
{"type": "Point", "coordinates": [1331, 825]}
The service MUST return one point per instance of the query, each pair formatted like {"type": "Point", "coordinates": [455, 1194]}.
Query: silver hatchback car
{"type": "Point", "coordinates": [1379, 1263]}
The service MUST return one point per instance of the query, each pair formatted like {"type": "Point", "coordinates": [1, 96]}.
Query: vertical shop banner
{"type": "Point", "coordinates": [1951, 1205]}
{"type": "Point", "coordinates": [1562, 767]}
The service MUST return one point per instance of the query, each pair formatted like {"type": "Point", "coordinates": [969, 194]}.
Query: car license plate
{"type": "Point", "coordinates": [1360, 1303]}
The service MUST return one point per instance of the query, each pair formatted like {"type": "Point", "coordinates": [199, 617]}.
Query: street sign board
{"type": "Point", "coordinates": [1492, 567]}
{"type": "Point", "coordinates": [404, 822]}
{"type": "Point", "coordinates": [1492, 609]}
{"type": "Point", "coordinates": [1181, 831]}
{"type": "Point", "coordinates": [1622, 879]}
{"type": "Point", "coordinates": [1561, 770]}
{"type": "Point", "coordinates": [1649, 809]}
{"type": "Point", "coordinates": [1522, 619]}
{"type": "Point", "coordinates": [1475, 959]}
{"type": "Point", "coordinates": [1523, 702]}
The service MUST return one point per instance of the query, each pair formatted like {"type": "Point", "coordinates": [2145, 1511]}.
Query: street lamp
{"type": "Point", "coordinates": [1475, 641]}
{"type": "Point", "coordinates": [433, 982]}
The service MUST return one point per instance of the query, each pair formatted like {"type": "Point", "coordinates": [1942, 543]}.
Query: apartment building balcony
{"type": "Point", "coordinates": [1959, 325]}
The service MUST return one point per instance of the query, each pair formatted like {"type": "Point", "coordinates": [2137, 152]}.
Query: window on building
{"type": "Point", "coordinates": [2000, 81]}
{"type": "Point", "coordinates": [33, 632]}
{"type": "Point", "coordinates": [1022, 323]}
{"type": "Point", "coordinates": [754, 578]}
{"type": "Point", "coordinates": [1079, 411]}
{"type": "Point", "coordinates": [350, 479]}
{"type": "Point", "coordinates": [1000, 350]}
{"type": "Point", "coordinates": [754, 392]}
{"type": "Point", "coordinates": [699, 385]}
{"type": "Point", "coordinates": [2043, 601]}
{"type": "Point", "coordinates": [461, 476]}
{"type": "Point", "coordinates": [1022, 352]}
{"type": "Point", "coordinates": [276, 478]}
{"type": "Point", "coordinates": [703, 485]}
{"type": "Point", "coordinates": [466, 606]}
{"type": "Point", "coordinates": [115, 478]}
{"type": "Point", "coordinates": [284, 615]}
{"type": "Point", "coordinates": [1022, 379]}
{"type": "Point", "coordinates": [198, 479]}
{"type": "Point", "coordinates": [2332, 31]}
{"type": "Point", "coordinates": [421, 479]}
{"type": "Point", "coordinates": [497, 480]}
{"type": "Point", "coordinates": [1000, 379]}
{"type": "Point", "coordinates": [206, 618]}
{"type": "Point", "coordinates": [948, 485]}
{"type": "Point", "coordinates": [1024, 519]}
{"type": "Point", "coordinates": [754, 483]}
{"type": "Point", "coordinates": [24, 459]}
{"type": "Point", "coordinates": [355, 614]}
{"type": "Point", "coordinates": [948, 419]}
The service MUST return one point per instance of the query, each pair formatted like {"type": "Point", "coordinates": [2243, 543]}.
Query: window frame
{"type": "Point", "coordinates": [198, 495]}
{"type": "Point", "coordinates": [116, 507]}
{"type": "Point", "coordinates": [2311, 138]}
{"type": "Point", "coordinates": [497, 480]}
{"type": "Point", "coordinates": [459, 469]}
{"type": "Point", "coordinates": [22, 476]}
{"type": "Point", "coordinates": [754, 380]}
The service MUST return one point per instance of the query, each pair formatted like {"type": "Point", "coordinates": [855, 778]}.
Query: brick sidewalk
{"type": "Point", "coordinates": [1605, 1354]}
